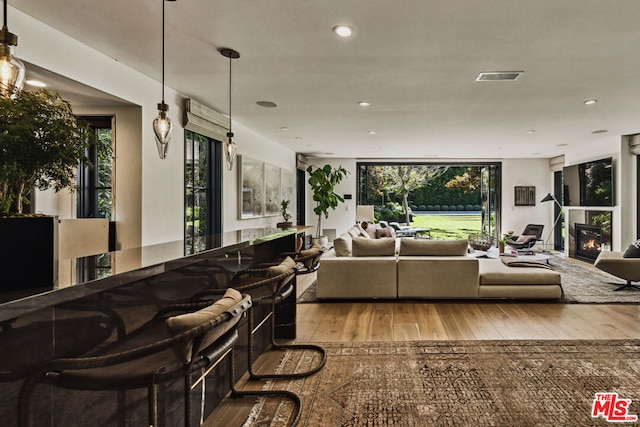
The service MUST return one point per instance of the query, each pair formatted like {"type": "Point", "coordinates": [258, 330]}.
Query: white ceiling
{"type": "Point", "coordinates": [416, 61]}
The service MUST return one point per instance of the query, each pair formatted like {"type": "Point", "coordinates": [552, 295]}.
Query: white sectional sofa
{"type": "Point", "coordinates": [359, 267]}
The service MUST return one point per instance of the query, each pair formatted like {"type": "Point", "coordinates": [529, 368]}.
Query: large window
{"type": "Point", "coordinates": [95, 196]}
{"type": "Point", "coordinates": [203, 193]}
{"type": "Point", "coordinates": [95, 188]}
{"type": "Point", "coordinates": [446, 189]}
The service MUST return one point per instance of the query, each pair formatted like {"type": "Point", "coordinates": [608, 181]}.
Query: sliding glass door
{"type": "Point", "coordinates": [490, 197]}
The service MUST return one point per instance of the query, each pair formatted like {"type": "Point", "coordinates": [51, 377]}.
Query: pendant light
{"type": "Point", "coordinates": [230, 149]}
{"type": "Point", "coordinates": [162, 126]}
{"type": "Point", "coordinates": [12, 71]}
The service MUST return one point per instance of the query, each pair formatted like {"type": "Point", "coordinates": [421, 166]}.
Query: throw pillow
{"type": "Point", "coordinates": [353, 232]}
{"type": "Point", "coordinates": [426, 247]}
{"type": "Point", "coordinates": [342, 245]}
{"type": "Point", "coordinates": [184, 322]}
{"type": "Point", "coordinates": [362, 232]}
{"type": "Point", "coordinates": [373, 247]}
{"type": "Point", "coordinates": [633, 251]}
{"type": "Point", "coordinates": [523, 238]}
{"type": "Point", "coordinates": [382, 233]}
{"type": "Point", "coordinates": [372, 230]}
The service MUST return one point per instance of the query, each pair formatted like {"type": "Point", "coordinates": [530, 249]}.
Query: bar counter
{"type": "Point", "coordinates": [82, 313]}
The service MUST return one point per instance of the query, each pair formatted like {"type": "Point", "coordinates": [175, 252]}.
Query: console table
{"type": "Point", "coordinates": [82, 314]}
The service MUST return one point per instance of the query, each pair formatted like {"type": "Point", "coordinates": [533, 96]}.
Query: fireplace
{"type": "Point", "coordinates": [588, 242]}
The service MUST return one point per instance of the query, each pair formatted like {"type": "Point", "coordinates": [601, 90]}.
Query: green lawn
{"type": "Point", "coordinates": [449, 227]}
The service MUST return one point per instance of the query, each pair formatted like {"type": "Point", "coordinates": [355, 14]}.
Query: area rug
{"type": "Point", "coordinates": [458, 383]}
{"type": "Point", "coordinates": [582, 283]}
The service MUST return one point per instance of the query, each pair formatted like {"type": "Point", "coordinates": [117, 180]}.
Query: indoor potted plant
{"type": "Point", "coordinates": [501, 242]}
{"type": "Point", "coordinates": [286, 216]}
{"type": "Point", "coordinates": [323, 181]}
{"type": "Point", "coordinates": [41, 145]}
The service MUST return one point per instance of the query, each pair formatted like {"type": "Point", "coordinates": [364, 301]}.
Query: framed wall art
{"type": "Point", "coordinates": [525, 196]}
{"type": "Point", "coordinates": [262, 188]}
{"type": "Point", "coordinates": [251, 186]}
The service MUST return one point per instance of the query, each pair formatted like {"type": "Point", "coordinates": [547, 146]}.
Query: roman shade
{"type": "Point", "coordinates": [205, 121]}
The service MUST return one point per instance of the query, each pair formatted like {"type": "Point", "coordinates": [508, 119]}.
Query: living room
{"type": "Point", "coordinates": [131, 100]}
{"type": "Point", "coordinates": [417, 66]}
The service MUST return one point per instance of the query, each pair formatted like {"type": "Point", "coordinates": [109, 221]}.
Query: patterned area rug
{"type": "Point", "coordinates": [582, 283]}
{"type": "Point", "coordinates": [458, 383]}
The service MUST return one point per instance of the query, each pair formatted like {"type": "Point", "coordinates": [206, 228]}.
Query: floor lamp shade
{"type": "Point", "coordinates": [364, 213]}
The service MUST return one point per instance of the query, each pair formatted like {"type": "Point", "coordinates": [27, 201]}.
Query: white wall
{"type": "Point", "coordinates": [158, 189]}
{"type": "Point", "coordinates": [526, 172]}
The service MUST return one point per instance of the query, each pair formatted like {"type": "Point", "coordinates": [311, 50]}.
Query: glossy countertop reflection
{"type": "Point", "coordinates": [131, 265]}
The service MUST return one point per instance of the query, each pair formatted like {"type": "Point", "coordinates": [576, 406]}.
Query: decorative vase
{"type": "Point", "coordinates": [501, 247]}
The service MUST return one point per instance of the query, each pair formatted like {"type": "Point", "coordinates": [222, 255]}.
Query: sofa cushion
{"type": "Point", "coordinates": [427, 247]}
{"type": "Point", "coordinates": [495, 272]}
{"type": "Point", "coordinates": [342, 245]}
{"type": "Point", "coordinates": [373, 247]}
{"type": "Point", "coordinates": [633, 251]}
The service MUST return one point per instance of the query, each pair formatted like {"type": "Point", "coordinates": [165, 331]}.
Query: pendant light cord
{"type": "Point", "coordinates": [230, 59]}
{"type": "Point", "coordinates": [163, 6]}
{"type": "Point", "coordinates": [5, 13]}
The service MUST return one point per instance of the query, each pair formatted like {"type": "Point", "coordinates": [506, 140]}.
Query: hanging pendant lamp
{"type": "Point", "coordinates": [162, 126]}
{"type": "Point", "coordinates": [230, 148]}
{"type": "Point", "coordinates": [12, 71]}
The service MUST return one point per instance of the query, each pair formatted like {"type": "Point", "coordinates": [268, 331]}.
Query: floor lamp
{"type": "Point", "coordinates": [549, 198]}
{"type": "Point", "coordinates": [365, 213]}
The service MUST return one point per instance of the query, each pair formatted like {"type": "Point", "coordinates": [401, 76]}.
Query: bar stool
{"type": "Point", "coordinates": [169, 347]}
{"type": "Point", "coordinates": [308, 259]}
{"type": "Point", "coordinates": [269, 286]}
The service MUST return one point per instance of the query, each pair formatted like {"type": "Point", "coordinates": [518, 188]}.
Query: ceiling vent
{"type": "Point", "coordinates": [494, 76]}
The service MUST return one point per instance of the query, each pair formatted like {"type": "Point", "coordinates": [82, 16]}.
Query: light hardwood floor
{"type": "Point", "coordinates": [428, 320]}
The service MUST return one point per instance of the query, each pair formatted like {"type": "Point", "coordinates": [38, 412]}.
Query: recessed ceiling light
{"type": "Point", "coordinates": [284, 128]}
{"type": "Point", "coordinates": [298, 137]}
{"type": "Point", "coordinates": [375, 148]}
{"type": "Point", "coordinates": [596, 132]}
{"type": "Point", "coordinates": [531, 131]}
{"type": "Point", "coordinates": [562, 145]}
{"type": "Point", "coordinates": [590, 101]}
{"type": "Point", "coordinates": [328, 154]}
{"type": "Point", "coordinates": [267, 104]}
{"type": "Point", "coordinates": [35, 83]}
{"type": "Point", "coordinates": [535, 154]}
{"type": "Point", "coordinates": [343, 31]}
{"type": "Point", "coordinates": [371, 132]}
{"type": "Point", "coordinates": [364, 103]}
